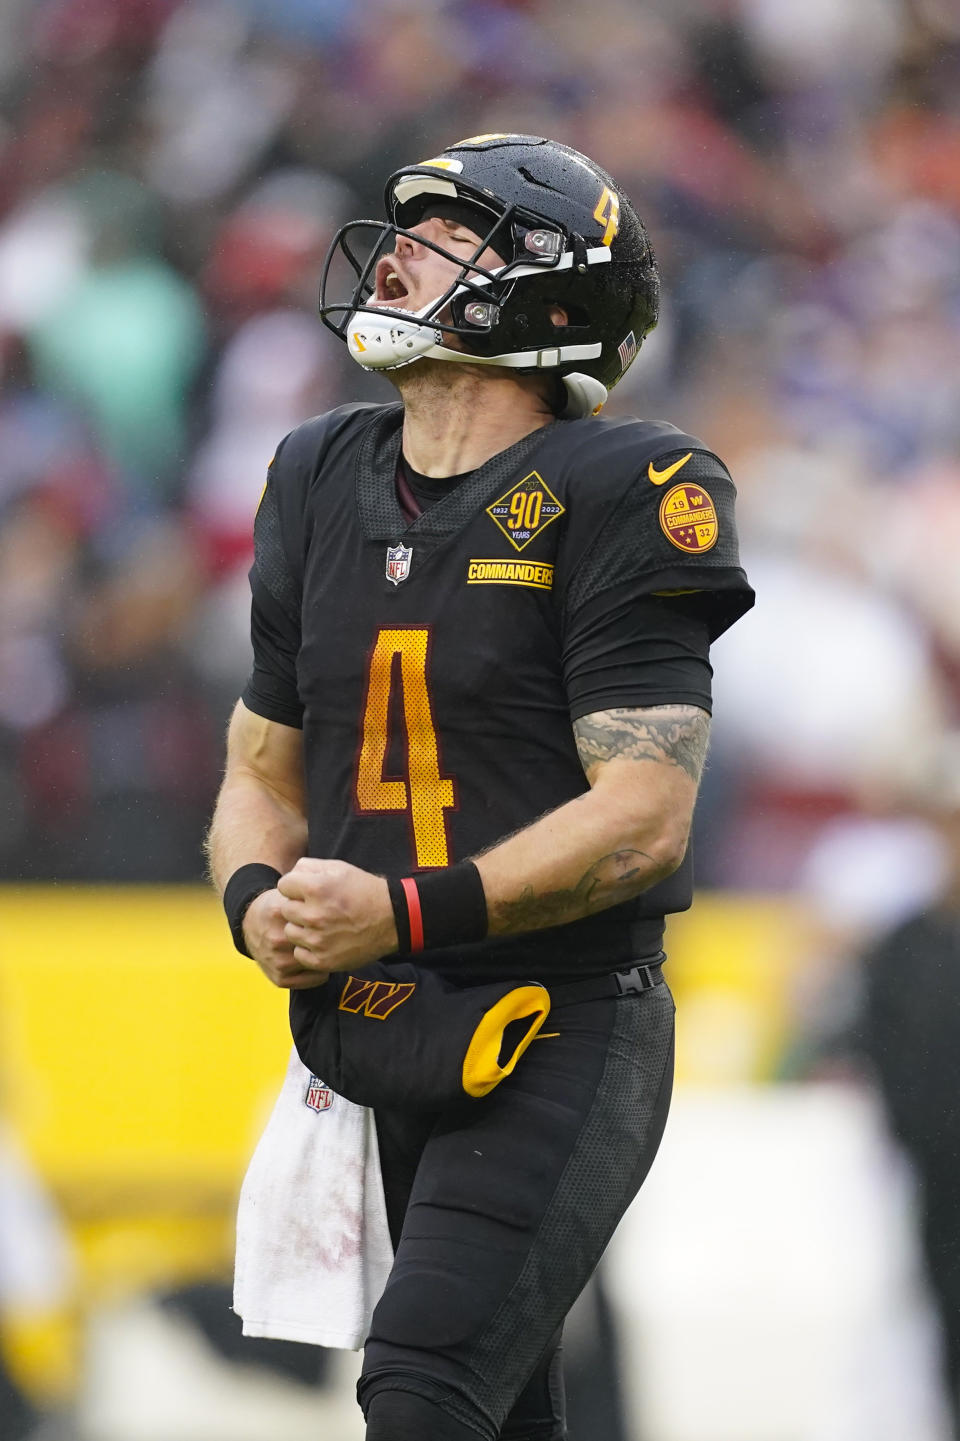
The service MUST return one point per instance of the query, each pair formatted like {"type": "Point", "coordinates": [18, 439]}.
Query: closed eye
{"type": "Point", "coordinates": [457, 236]}
{"type": "Point", "coordinates": [461, 237]}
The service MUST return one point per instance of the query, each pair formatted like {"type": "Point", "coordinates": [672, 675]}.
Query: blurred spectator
{"type": "Point", "coordinates": [911, 979]}
{"type": "Point", "coordinates": [126, 339]}
{"type": "Point", "coordinates": [118, 776]}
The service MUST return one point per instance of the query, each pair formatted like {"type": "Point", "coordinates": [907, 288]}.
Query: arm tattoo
{"type": "Point", "coordinates": [622, 871]}
{"type": "Point", "coordinates": [671, 734]}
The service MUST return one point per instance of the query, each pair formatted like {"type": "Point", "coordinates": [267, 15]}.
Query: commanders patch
{"type": "Point", "coordinates": [525, 510]}
{"type": "Point", "coordinates": [510, 572]}
{"type": "Point", "coordinates": [688, 518]}
{"type": "Point", "coordinates": [319, 1097]}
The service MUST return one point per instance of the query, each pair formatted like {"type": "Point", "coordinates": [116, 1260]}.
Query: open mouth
{"type": "Point", "coordinates": [391, 288]}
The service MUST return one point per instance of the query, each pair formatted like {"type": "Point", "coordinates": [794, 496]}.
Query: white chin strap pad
{"type": "Point", "coordinates": [380, 342]}
{"type": "Point", "coordinates": [385, 342]}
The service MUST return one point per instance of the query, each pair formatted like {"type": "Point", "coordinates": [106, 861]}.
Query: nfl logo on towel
{"type": "Point", "coordinates": [398, 562]}
{"type": "Point", "coordinates": [319, 1097]}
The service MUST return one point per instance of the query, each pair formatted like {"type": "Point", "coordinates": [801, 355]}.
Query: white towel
{"type": "Point", "coordinates": [313, 1245]}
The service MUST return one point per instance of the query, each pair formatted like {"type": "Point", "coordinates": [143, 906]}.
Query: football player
{"type": "Point", "coordinates": [473, 735]}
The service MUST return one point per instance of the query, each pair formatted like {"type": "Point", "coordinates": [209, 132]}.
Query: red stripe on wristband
{"type": "Point", "coordinates": [414, 912]}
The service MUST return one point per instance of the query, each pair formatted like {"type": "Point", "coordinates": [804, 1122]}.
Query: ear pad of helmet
{"type": "Point", "coordinates": [585, 396]}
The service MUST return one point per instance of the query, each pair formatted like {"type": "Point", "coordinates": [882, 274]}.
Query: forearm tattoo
{"type": "Point", "coordinates": [672, 734]}
{"type": "Point", "coordinates": [615, 877]}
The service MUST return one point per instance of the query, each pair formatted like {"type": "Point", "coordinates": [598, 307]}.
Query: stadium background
{"type": "Point", "coordinates": [170, 174]}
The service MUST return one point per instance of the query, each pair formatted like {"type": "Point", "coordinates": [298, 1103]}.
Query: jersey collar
{"type": "Point", "coordinates": [379, 509]}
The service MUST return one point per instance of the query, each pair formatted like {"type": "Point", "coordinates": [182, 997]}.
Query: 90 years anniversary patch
{"type": "Point", "coordinates": [688, 518]}
{"type": "Point", "coordinates": [525, 510]}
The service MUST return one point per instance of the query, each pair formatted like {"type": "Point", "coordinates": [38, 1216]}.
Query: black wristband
{"type": "Point", "coordinates": [439, 908]}
{"type": "Point", "coordinates": [241, 891]}
{"type": "Point", "coordinates": [401, 914]}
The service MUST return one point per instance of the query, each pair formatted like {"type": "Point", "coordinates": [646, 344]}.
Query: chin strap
{"type": "Point", "coordinates": [400, 342]}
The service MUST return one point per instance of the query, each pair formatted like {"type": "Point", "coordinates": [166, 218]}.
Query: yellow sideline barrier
{"type": "Point", "coordinates": [733, 963]}
{"type": "Point", "coordinates": [139, 1055]}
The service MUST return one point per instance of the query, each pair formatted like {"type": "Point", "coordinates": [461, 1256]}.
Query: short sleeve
{"type": "Point", "coordinates": [271, 691]}
{"type": "Point", "coordinates": [628, 648]}
{"type": "Point", "coordinates": [671, 531]}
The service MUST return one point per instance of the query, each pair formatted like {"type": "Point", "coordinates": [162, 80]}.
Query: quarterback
{"type": "Point", "coordinates": [466, 759]}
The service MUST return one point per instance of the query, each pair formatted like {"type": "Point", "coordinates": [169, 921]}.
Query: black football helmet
{"type": "Point", "coordinates": [567, 236]}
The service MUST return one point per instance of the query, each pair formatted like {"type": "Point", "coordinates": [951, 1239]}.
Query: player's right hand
{"type": "Point", "coordinates": [264, 933]}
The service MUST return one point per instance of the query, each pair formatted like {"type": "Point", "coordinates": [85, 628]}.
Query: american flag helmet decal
{"type": "Point", "coordinates": [627, 349]}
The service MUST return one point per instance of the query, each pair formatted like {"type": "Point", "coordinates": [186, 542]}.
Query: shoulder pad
{"type": "Point", "coordinates": [612, 452]}
{"type": "Point", "coordinates": [304, 447]}
{"type": "Point", "coordinates": [281, 527]}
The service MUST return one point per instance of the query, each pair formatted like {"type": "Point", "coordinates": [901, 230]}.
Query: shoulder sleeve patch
{"type": "Point", "coordinates": [674, 524]}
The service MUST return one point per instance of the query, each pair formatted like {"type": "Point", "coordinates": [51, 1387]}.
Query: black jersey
{"type": "Point", "coordinates": [436, 665]}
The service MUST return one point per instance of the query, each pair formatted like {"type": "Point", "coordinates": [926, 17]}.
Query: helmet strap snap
{"type": "Point", "coordinates": [579, 247]}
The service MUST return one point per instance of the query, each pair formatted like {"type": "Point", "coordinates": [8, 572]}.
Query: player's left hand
{"type": "Point", "coordinates": [338, 917]}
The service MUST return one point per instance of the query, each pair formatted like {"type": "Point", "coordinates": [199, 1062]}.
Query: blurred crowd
{"type": "Point", "coordinates": [171, 172]}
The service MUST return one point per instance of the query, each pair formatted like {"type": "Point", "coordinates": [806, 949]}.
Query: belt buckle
{"type": "Point", "coordinates": [636, 980]}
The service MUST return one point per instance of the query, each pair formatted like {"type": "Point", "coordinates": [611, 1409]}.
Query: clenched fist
{"type": "Point", "coordinates": [337, 917]}
{"type": "Point", "coordinates": [264, 930]}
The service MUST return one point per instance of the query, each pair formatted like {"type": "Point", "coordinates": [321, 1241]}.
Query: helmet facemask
{"type": "Point", "coordinates": [470, 309]}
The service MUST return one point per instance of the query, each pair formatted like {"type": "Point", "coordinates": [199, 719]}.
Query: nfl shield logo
{"type": "Point", "coordinates": [319, 1097]}
{"type": "Point", "coordinates": [398, 562]}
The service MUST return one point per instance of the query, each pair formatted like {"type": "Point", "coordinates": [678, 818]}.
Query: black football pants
{"type": "Point", "coordinates": [500, 1210]}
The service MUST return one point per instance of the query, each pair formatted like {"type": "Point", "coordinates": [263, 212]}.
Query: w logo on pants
{"type": "Point", "coordinates": [377, 999]}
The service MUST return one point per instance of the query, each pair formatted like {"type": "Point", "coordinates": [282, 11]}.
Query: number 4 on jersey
{"type": "Point", "coordinates": [425, 793]}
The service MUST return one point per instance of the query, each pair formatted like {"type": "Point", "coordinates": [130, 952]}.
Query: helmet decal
{"type": "Point", "coordinates": [442, 162]}
{"type": "Point", "coordinates": [424, 185]}
{"type": "Point", "coordinates": [607, 213]}
{"type": "Point", "coordinates": [483, 139]}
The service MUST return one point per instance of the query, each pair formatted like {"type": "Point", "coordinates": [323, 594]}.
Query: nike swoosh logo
{"type": "Point", "coordinates": [660, 476]}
